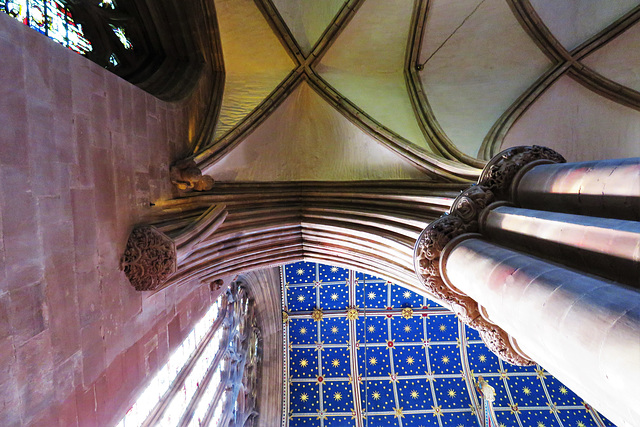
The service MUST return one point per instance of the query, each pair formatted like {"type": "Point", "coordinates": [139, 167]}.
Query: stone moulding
{"type": "Point", "coordinates": [149, 258]}
{"type": "Point", "coordinates": [463, 220]}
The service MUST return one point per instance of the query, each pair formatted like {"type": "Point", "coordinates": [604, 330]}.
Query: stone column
{"type": "Point", "coordinates": [605, 246]}
{"type": "Point", "coordinates": [583, 329]}
{"type": "Point", "coordinates": [523, 275]}
{"type": "Point", "coordinates": [607, 188]}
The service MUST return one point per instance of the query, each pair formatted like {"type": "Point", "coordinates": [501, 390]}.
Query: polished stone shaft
{"type": "Point", "coordinates": [583, 329]}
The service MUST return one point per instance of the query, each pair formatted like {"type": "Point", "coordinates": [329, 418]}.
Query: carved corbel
{"type": "Point", "coordinates": [152, 254]}
{"type": "Point", "coordinates": [186, 176]}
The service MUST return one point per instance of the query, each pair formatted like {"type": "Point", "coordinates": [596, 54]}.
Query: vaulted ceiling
{"type": "Point", "coordinates": [372, 89]}
{"type": "Point", "coordinates": [377, 354]}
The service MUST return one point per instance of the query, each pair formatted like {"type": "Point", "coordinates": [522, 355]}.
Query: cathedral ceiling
{"type": "Point", "coordinates": [400, 359]}
{"type": "Point", "coordinates": [434, 86]}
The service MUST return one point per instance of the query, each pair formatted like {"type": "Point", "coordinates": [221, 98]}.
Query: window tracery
{"type": "Point", "coordinates": [211, 379]}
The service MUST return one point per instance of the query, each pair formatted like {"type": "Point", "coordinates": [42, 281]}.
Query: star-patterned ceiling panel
{"type": "Point", "coordinates": [361, 351]}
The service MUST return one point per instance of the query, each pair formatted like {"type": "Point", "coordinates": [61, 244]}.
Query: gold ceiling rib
{"type": "Point", "coordinates": [212, 49]}
{"type": "Point", "coordinates": [433, 132]}
{"type": "Point", "coordinates": [432, 165]}
{"type": "Point", "coordinates": [231, 139]}
{"type": "Point", "coordinates": [566, 62]}
{"type": "Point", "coordinates": [429, 163]}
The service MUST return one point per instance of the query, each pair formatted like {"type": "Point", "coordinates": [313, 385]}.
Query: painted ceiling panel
{"type": "Point", "coordinates": [365, 64]}
{"type": "Point", "coordinates": [307, 19]}
{"type": "Point", "coordinates": [255, 61]}
{"type": "Point", "coordinates": [575, 120]}
{"type": "Point", "coordinates": [572, 22]}
{"type": "Point", "coordinates": [483, 61]}
{"type": "Point", "coordinates": [416, 369]}
{"type": "Point", "coordinates": [307, 139]}
{"type": "Point", "coordinates": [618, 59]}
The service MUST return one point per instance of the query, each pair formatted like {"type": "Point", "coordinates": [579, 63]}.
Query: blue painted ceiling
{"type": "Point", "coordinates": [384, 369]}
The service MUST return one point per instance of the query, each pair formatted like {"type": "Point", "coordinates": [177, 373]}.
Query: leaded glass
{"type": "Point", "coordinates": [51, 18]}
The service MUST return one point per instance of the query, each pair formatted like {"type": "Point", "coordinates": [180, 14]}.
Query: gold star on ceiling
{"type": "Point", "coordinates": [304, 363]}
{"type": "Point", "coordinates": [373, 361]}
{"type": "Point", "coordinates": [563, 390]}
{"type": "Point", "coordinates": [303, 331]}
{"type": "Point", "coordinates": [300, 272]}
{"type": "Point", "coordinates": [337, 395]}
{"type": "Point", "coordinates": [334, 269]}
{"type": "Point", "coordinates": [407, 328]}
{"type": "Point", "coordinates": [375, 395]}
{"type": "Point", "coordinates": [410, 360]}
{"type": "Point", "coordinates": [371, 328]}
{"type": "Point", "coordinates": [335, 363]}
{"type": "Point", "coordinates": [445, 359]}
{"type": "Point", "coordinates": [334, 330]}
{"type": "Point", "coordinates": [304, 397]}
{"type": "Point", "coordinates": [526, 391]}
{"type": "Point", "coordinates": [407, 294]}
{"type": "Point", "coordinates": [482, 358]}
{"type": "Point", "coordinates": [334, 297]}
{"type": "Point", "coordinates": [301, 298]}
{"type": "Point", "coordinates": [397, 413]}
{"type": "Point", "coordinates": [443, 328]}
{"type": "Point", "coordinates": [372, 295]}
{"type": "Point", "coordinates": [414, 394]}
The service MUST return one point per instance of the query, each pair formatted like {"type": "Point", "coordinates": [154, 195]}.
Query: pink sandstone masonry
{"type": "Point", "coordinates": [82, 154]}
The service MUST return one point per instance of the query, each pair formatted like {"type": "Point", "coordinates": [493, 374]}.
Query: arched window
{"type": "Point", "coordinates": [150, 44]}
{"type": "Point", "coordinates": [210, 379]}
{"type": "Point", "coordinates": [51, 18]}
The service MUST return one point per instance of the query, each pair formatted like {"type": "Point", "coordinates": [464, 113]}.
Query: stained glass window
{"type": "Point", "coordinates": [51, 18]}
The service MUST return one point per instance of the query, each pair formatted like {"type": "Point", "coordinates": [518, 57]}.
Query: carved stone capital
{"type": "Point", "coordinates": [426, 260]}
{"type": "Point", "coordinates": [470, 203]}
{"type": "Point", "coordinates": [149, 258]}
{"type": "Point", "coordinates": [497, 340]}
{"type": "Point", "coordinates": [499, 173]}
{"type": "Point", "coordinates": [428, 251]}
{"type": "Point", "coordinates": [187, 177]}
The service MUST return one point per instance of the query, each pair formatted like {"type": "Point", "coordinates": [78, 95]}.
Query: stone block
{"type": "Point", "coordinates": [93, 363]}
{"type": "Point", "coordinates": [89, 297]}
{"type": "Point", "coordinates": [26, 315]}
{"type": "Point", "coordinates": [86, 407]}
{"type": "Point", "coordinates": [35, 374]}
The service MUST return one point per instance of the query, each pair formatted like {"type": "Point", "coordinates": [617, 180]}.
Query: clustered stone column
{"type": "Point", "coordinates": [543, 258]}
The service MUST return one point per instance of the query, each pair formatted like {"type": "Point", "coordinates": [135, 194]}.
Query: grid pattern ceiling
{"type": "Point", "coordinates": [400, 359]}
